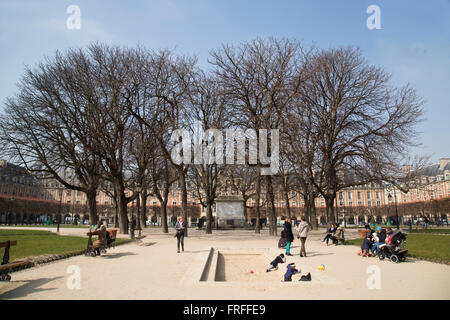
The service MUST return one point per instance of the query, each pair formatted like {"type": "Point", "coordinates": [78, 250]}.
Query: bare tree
{"type": "Point", "coordinates": [361, 119]}
{"type": "Point", "coordinates": [47, 125]}
{"type": "Point", "coordinates": [206, 116]}
{"type": "Point", "coordinates": [257, 81]}
{"type": "Point", "coordinates": [168, 81]}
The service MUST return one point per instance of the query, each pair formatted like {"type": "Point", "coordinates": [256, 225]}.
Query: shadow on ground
{"type": "Point", "coordinates": [146, 244]}
{"type": "Point", "coordinates": [315, 253]}
{"type": "Point", "coordinates": [117, 255]}
{"type": "Point", "coordinates": [26, 287]}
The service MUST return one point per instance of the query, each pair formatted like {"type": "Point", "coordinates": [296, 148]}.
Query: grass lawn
{"type": "Point", "coordinates": [35, 243]}
{"type": "Point", "coordinates": [429, 247]}
{"type": "Point", "coordinates": [45, 226]}
{"type": "Point", "coordinates": [431, 231]}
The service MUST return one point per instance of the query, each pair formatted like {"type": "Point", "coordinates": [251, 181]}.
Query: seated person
{"type": "Point", "coordinates": [367, 244]}
{"type": "Point", "coordinates": [330, 233]}
{"type": "Point", "coordinates": [101, 241]}
{"type": "Point", "coordinates": [274, 264]}
{"type": "Point", "coordinates": [379, 238]}
{"type": "Point", "coordinates": [291, 270]}
{"type": "Point", "coordinates": [389, 234]}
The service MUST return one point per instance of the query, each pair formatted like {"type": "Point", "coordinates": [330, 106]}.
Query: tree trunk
{"type": "Point", "coordinates": [330, 209]}
{"type": "Point", "coordinates": [164, 216]}
{"type": "Point", "coordinates": [143, 196]}
{"type": "Point", "coordinates": [288, 207]}
{"type": "Point", "coordinates": [244, 205]}
{"type": "Point", "coordinates": [258, 200]}
{"type": "Point", "coordinates": [91, 196]}
{"type": "Point", "coordinates": [209, 218]}
{"type": "Point", "coordinates": [307, 207]}
{"type": "Point", "coordinates": [122, 211]}
{"type": "Point", "coordinates": [184, 207]}
{"type": "Point", "coordinates": [116, 210]}
{"type": "Point", "coordinates": [116, 216]}
{"type": "Point", "coordinates": [272, 214]}
{"type": "Point", "coordinates": [138, 212]}
{"type": "Point", "coordinates": [313, 213]}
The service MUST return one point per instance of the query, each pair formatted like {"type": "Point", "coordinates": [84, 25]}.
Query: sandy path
{"type": "Point", "coordinates": [153, 270]}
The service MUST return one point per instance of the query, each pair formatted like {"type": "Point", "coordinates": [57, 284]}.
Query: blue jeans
{"type": "Point", "coordinates": [376, 247]}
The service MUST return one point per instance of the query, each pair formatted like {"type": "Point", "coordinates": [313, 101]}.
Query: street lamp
{"type": "Point", "coordinates": [396, 211]}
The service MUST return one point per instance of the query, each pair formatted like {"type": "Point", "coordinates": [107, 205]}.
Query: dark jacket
{"type": "Point", "coordinates": [289, 273]}
{"type": "Point", "coordinates": [331, 230]}
{"type": "Point", "coordinates": [277, 261]}
{"type": "Point", "coordinates": [382, 235]}
{"type": "Point", "coordinates": [288, 232]}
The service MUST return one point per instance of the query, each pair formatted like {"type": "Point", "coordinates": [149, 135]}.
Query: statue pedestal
{"type": "Point", "coordinates": [230, 212]}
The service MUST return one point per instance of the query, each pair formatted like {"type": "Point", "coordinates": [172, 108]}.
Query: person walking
{"type": "Point", "coordinates": [289, 235]}
{"type": "Point", "coordinates": [180, 226]}
{"type": "Point", "coordinates": [303, 228]}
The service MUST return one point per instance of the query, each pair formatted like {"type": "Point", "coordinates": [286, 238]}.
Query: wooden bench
{"type": "Point", "coordinates": [6, 265]}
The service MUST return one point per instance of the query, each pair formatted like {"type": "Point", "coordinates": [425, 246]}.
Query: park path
{"type": "Point", "coordinates": [152, 269]}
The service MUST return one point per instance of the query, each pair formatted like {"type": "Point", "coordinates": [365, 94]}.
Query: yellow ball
{"type": "Point", "coordinates": [321, 267]}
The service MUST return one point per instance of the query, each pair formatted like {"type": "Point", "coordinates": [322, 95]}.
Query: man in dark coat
{"type": "Point", "coordinates": [289, 235]}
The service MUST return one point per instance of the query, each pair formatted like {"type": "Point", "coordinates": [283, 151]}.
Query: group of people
{"type": "Point", "coordinates": [291, 269]}
{"type": "Point", "coordinates": [302, 233]}
{"type": "Point", "coordinates": [374, 239]}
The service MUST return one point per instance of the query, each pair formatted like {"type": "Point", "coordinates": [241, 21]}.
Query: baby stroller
{"type": "Point", "coordinates": [395, 250]}
{"type": "Point", "coordinates": [282, 242]}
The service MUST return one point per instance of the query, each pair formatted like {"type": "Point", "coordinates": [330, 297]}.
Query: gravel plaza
{"type": "Point", "coordinates": [152, 269]}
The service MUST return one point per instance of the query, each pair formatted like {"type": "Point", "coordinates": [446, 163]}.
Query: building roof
{"type": "Point", "coordinates": [435, 170]}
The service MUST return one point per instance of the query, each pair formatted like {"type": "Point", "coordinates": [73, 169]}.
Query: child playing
{"type": "Point", "coordinates": [274, 264]}
{"type": "Point", "coordinates": [290, 272]}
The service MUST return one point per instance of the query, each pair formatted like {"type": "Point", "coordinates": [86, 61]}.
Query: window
{"type": "Point", "coordinates": [359, 195]}
{"type": "Point", "coordinates": [368, 195]}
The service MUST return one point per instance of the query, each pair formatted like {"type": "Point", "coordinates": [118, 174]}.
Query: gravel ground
{"type": "Point", "coordinates": [152, 269]}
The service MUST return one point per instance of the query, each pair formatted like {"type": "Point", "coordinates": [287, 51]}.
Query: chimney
{"type": "Point", "coordinates": [443, 162]}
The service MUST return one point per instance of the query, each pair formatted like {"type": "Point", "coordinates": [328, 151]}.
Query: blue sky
{"type": "Point", "coordinates": [413, 42]}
